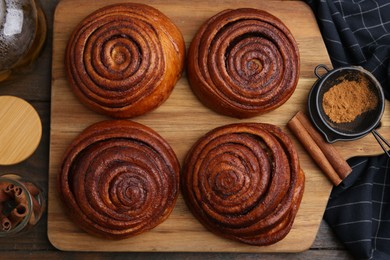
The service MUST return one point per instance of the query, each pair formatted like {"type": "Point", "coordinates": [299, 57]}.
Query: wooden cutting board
{"type": "Point", "coordinates": [181, 120]}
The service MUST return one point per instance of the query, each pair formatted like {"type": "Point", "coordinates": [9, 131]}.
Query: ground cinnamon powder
{"type": "Point", "coordinates": [346, 100]}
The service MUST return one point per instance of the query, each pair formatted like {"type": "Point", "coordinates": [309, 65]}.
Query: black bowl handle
{"type": "Point", "coordinates": [382, 142]}
{"type": "Point", "coordinates": [318, 67]}
{"type": "Point", "coordinates": [329, 137]}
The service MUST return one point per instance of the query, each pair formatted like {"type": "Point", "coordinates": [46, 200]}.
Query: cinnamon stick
{"type": "Point", "coordinates": [34, 191]}
{"type": "Point", "coordinates": [9, 189]}
{"type": "Point", "coordinates": [313, 149]}
{"type": "Point", "coordinates": [19, 196]}
{"type": "Point", "coordinates": [3, 195]}
{"type": "Point", "coordinates": [5, 223]}
{"type": "Point", "coordinates": [36, 206]}
{"type": "Point", "coordinates": [336, 160]}
{"type": "Point", "coordinates": [18, 213]}
{"type": "Point", "coordinates": [323, 153]}
{"type": "Point", "coordinates": [17, 192]}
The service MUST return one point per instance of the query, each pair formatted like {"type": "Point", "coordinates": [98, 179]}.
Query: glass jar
{"type": "Point", "coordinates": [21, 205]}
{"type": "Point", "coordinates": [22, 34]}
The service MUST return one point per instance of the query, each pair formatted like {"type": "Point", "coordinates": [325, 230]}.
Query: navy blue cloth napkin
{"type": "Point", "coordinates": [358, 209]}
{"type": "Point", "coordinates": [357, 32]}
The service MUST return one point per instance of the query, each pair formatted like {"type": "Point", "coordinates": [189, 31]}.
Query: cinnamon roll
{"type": "Point", "coordinates": [124, 60]}
{"type": "Point", "coordinates": [244, 182]}
{"type": "Point", "coordinates": [243, 63]}
{"type": "Point", "coordinates": [118, 179]}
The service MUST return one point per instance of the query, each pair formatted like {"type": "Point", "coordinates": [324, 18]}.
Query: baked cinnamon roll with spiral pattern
{"type": "Point", "coordinates": [243, 63]}
{"type": "Point", "coordinates": [118, 179]}
{"type": "Point", "coordinates": [244, 182]}
{"type": "Point", "coordinates": [124, 60]}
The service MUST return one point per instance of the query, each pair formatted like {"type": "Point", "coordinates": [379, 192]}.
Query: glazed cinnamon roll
{"type": "Point", "coordinates": [244, 182]}
{"type": "Point", "coordinates": [114, 174]}
{"type": "Point", "coordinates": [243, 63]}
{"type": "Point", "coordinates": [124, 60]}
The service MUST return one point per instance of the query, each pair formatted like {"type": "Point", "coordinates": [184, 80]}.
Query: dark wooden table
{"type": "Point", "coordinates": [35, 87]}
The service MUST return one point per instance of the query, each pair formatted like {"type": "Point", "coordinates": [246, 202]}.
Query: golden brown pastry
{"type": "Point", "coordinates": [243, 62]}
{"type": "Point", "coordinates": [114, 174]}
{"type": "Point", "coordinates": [123, 60]}
{"type": "Point", "coordinates": [244, 182]}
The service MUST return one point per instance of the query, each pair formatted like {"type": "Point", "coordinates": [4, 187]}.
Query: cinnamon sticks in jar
{"type": "Point", "coordinates": [323, 153]}
{"type": "Point", "coordinates": [21, 205]}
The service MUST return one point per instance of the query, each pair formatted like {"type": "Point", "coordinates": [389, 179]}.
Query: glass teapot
{"type": "Point", "coordinates": [22, 34]}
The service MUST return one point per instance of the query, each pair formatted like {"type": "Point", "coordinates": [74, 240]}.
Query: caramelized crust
{"type": "Point", "coordinates": [244, 182]}
{"type": "Point", "coordinates": [114, 174]}
{"type": "Point", "coordinates": [243, 62]}
{"type": "Point", "coordinates": [123, 60]}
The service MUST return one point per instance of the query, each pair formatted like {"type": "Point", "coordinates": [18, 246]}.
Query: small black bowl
{"type": "Point", "coordinates": [363, 124]}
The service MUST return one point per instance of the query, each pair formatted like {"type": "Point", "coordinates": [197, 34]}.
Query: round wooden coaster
{"type": "Point", "coordinates": [20, 130]}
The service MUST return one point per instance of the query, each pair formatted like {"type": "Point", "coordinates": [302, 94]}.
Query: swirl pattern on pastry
{"type": "Point", "coordinates": [244, 182]}
{"type": "Point", "coordinates": [123, 60]}
{"type": "Point", "coordinates": [114, 174]}
{"type": "Point", "coordinates": [243, 62]}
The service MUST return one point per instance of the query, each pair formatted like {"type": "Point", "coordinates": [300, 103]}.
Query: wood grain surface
{"type": "Point", "coordinates": [20, 132]}
{"type": "Point", "coordinates": [181, 121]}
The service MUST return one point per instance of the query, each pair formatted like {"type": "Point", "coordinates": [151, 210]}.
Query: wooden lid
{"type": "Point", "coordinates": [20, 130]}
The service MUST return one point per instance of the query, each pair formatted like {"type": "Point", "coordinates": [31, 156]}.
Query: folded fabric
{"type": "Point", "coordinates": [358, 209]}
{"type": "Point", "coordinates": [357, 32]}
